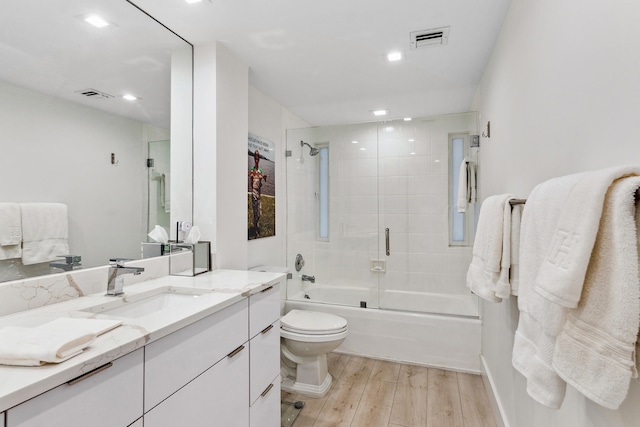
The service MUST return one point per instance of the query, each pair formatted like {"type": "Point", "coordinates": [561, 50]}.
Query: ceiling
{"type": "Point", "coordinates": [325, 60]}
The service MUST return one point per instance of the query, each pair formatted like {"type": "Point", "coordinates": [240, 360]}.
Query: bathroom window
{"type": "Point", "coordinates": [458, 229]}
{"type": "Point", "coordinates": [323, 193]}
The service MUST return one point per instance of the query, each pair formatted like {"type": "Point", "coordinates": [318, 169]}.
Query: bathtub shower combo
{"type": "Point", "coordinates": [372, 237]}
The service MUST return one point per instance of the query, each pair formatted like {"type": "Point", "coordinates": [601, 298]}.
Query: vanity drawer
{"type": "Point", "coordinates": [264, 309]}
{"type": "Point", "coordinates": [173, 361]}
{"type": "Point", "coordinates": [264, 351]}
{"type": "Point", "coordinates": [265, 412]}
{"type": "Point", "coordinates": [111, 397]}
{"type": "Point", "coordinates": [218, 397]}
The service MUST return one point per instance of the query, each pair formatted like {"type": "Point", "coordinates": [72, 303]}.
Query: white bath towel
{"type": "Point", "coordinates": [467, 188]}
{"type": "Point", "coordinates": [565, 263]}
{"type": "Point", "coordinates": [548, 237]}
{"type": "Point", "coordinates": [95, 326]}
{"type": "Point", "coordinates": [10, 231]}
{"type": "Point", "coordinates": [595, 350]}
{"type": "Point", "coordinates": [490, 262]}
{"type": "Point", "coordinates": [514, 269]}
{"type": "Point", "coordinates": [35, 347]}
{"type": "Point", "coordinates": [44, 232]}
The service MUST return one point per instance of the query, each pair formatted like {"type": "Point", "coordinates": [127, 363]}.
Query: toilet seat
{"type": "Point", "coordinates": [312, 323]}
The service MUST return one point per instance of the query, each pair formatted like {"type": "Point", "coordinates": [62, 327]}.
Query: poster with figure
{"type": "Point", "coordinates": [261, 196]}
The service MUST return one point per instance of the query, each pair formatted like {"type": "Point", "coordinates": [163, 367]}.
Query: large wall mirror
{"type": "Point", "coordinates": [69, 135]}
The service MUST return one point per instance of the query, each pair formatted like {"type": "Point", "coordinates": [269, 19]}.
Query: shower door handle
{"type": "Point", "coordinates": [386, 240]}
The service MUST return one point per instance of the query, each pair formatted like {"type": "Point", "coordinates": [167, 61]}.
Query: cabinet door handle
{"type": "Point", "coordinates": [267, 390]}
{"type": "Point", "coordinates": [236, 351]}
{"type": "Point", "coordinates": [267, 329]}
{"type": "Point", "coordinates": [386, 241]}
{"type": "Point", "coordinates": [90, 374]}
{"type": "Point", "coordinates": [266, 289]}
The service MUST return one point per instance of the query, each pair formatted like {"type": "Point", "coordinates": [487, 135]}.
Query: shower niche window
{"type": "Point", "coordinates": [379, 194]}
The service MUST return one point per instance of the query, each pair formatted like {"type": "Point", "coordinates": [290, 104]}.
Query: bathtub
{"type": "Point", "coordinates": [436, 340]}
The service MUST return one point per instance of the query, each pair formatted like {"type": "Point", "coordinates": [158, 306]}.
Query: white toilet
{"type": "Point", "coordinates": [305, 339]}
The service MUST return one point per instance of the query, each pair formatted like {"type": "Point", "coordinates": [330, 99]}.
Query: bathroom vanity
{"type": "Point", "coordinates": [211, 359]}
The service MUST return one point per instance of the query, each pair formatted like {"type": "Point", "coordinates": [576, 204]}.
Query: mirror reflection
{"type": "Point", "coordinates": [86, 124]}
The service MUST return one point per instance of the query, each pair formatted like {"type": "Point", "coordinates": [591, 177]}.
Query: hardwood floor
{"type": "Point", "coordinates": [371, 393]}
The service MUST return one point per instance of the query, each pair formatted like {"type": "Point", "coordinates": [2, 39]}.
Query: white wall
{"type": "Point", "coordinates": [270, 120]}
{"type": "Point", "coordinates": [58, 151]}
{"type": "Point", "coordinates": [226, 109]}
{"type": "Point", "coordinates": [562, 92]}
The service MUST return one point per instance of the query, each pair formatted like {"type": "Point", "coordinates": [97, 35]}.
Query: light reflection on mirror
{"type": "Point", "coordinates": [68, 135]}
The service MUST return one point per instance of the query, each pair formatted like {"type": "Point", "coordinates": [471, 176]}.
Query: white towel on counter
{"type": "Point", "coordinates": [10, 231]}
{"type": "Point", "coordinates": [35, 346]}
{"type": "Point", "coordinates": [595, 350]}
{"type": "Point", "coordinates": [95, 326]}
{"type": "Point", "coordinates": [489, 266]}
{"type": "Point", "coordinates": [45, 232]}
{"type": "Point", "coordinates": [467, 188]}
{"type": "Point", "coordinates": [564, 266]}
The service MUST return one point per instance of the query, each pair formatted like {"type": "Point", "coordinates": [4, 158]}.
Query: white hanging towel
{"type": "Point", "coordinates": [559, 225]}
{"type": "Point", "coordinates": [45, 232]}
{"type": "Point", "coordinates": [489, 268]}
{"type": "Point", "coordinates": [466, 184]}
{"type": "Point", "coordinates": [595, 350]}
{"type": "Point", "coordinates": [10, 231]}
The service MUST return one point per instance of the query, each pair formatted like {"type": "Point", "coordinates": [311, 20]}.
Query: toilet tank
{"type": "Point", "coordinates": [283, 286]}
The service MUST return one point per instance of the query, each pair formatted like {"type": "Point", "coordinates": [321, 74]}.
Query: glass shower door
{"type": "Point", "coordinates": [424, 270]}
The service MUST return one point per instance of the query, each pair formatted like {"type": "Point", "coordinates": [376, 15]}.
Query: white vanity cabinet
{"type": "Point", "coordinates": [264, 346]}
{"type": "Point", "coordinates": [218, 397]}
{"type": "Point", "coordinates": [108, 396]}
{"type": "Point", "coordinates": [175, 360]}
{"type": "Point", "coordinates": [1, 419]}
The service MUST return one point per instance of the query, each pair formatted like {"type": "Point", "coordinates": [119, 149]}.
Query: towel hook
{"type": "Point", "coordinates": [488, 134]}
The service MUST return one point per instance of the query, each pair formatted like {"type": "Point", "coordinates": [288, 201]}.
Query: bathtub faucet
{"type": "Point", "coordinates": [311, 279]}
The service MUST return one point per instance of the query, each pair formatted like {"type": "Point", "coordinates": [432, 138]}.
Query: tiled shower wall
{"type": "Point", "coordinates": [395, 176]}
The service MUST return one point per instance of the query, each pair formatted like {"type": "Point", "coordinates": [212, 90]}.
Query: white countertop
{"type": "Point", "coordinates": [18, 384]}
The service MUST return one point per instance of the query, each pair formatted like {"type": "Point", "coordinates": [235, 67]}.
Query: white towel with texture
{"type": "Point", "coordinates": [489, 266]}
{"type": "Point", "coordinates": [565, 263]}
{"type": "Point", "coordinates": [10, 231]}
{"type": "Point", "coordinates": [45, 232]}
{"type": "Point", "coordinates": [595, 350]}
{"type": "Point", "coordinates": [548, 237]}
{"type": "Point", "coordinates": [467, 188]}
{"type": "Point", "coordinates": [35, 346]}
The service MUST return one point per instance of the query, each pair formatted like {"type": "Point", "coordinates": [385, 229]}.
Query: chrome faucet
{"type": "Point", "coordinates": [311, 279]}
{"type": "Point", "coordinates": [70, 262]}
{"type": "Point", "coordinates": [116, 271]}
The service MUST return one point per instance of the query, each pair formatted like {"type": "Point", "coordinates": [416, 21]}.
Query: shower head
{"type": "Point", "coordinates": [312, 150]}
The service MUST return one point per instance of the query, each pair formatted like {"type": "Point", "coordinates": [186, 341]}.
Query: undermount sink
{"type": "Point", "coordinates": [146, 303]}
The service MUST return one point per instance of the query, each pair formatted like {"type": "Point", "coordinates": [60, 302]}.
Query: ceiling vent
{"type": "Point", "coordinates": [427, 38]}
{"type": "Point", "coordinates": [94, 94]}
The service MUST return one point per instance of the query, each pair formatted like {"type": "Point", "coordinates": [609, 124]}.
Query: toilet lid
{"type": "Point", "coordinates": [312, 322]}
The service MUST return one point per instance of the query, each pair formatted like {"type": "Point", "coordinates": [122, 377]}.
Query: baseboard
{"type": "Point", "coordinates": [489, 385]}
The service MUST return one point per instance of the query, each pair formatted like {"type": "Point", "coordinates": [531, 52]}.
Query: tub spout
{"type": "Point", "coordinates": [311, 279]}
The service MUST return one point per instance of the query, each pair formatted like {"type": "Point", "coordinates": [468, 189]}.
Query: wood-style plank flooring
{"type": "Point", "coordinates": [370, 393]}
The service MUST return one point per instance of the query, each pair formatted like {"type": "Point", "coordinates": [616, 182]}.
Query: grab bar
{"type": "Point", "coordinates": [386, 239]}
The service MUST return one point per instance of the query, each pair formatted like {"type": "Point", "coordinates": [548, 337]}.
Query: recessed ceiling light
{"type": "Point", "coordinates": [407, 119]}
{"type": "Point", "coordinates": [193, 1]}
{"type": "Point", "coordinates": [380, 112]}
{"type": "Point", "coordinates": [412, 153]}
{"type": "Point", "coordinates": [354, 142]}
{"type": "Point", "coordinates": [96, 21]}
{"type": "Point", "coordinates": [362, 149]}
{"type": "Point", "coordinates": [411, 140]}
{"type": "Point", "coordinates": [394, 56]}
{"type": "Point", "coordinates": [388, 129]}
{"type": "Point", "coordinates": [130, 97]}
